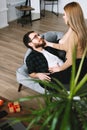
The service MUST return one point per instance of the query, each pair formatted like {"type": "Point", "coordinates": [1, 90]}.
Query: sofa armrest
{"type": "Point", "coordinates": [52, 36]}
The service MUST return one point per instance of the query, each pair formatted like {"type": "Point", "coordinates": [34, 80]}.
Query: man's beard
{"type": "Point", "coordinates": [41, 45]}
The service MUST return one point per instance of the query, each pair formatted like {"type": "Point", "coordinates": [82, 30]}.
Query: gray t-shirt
{"type": "Point", "coordinates": [52, 59]}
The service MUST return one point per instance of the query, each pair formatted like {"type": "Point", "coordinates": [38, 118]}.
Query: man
{"type": "Point", "coordinates": [39, 61]}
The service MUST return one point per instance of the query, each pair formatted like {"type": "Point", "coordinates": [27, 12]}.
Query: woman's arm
{"type": "Point", "coordinates": [66, 64]}
{"type": "Point", "coordinates": [58, 46]}
{"type": "Point", "coordinates": [67, 43]}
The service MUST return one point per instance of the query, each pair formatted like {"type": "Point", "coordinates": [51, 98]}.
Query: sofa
{"type": "Point", "coordinates": [22, 73]}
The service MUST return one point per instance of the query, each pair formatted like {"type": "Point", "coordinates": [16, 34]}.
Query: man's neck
{"type": "Point", "coordinates": [38, 49]}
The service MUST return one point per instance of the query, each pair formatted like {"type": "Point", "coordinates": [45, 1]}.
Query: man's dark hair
{"type": "Point", "coordinates": [26, 38]}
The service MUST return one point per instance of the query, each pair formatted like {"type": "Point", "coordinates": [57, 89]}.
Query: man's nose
{"type": "Point", "coordinates": [39, 37]}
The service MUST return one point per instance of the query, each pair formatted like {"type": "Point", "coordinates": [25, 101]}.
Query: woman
{"type": "Point", "coordinates": [76, 36]}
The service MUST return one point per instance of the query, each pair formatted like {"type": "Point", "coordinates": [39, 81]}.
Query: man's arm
{"type": "Point", "coordinates": [41, 76]}
{"type": "Point", "coordinates": [37, 66]}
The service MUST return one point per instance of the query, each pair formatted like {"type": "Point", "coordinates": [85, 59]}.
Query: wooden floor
{"type": "Point", "coordinates": [12, 51]}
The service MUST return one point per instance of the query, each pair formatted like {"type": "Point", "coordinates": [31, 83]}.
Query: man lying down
{"type": "Point", "coordinates": [42, 60]}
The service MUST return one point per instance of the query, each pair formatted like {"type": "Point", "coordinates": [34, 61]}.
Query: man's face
{"type": "Point", "coordinates": [36, 40]}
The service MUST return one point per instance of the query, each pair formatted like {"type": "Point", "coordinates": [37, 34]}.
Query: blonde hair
{"type": "Point", "coordinates": [77, 22]}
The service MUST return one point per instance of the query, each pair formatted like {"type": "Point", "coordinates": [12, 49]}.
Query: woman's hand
{"type": "Point", "coordinates": [54, 69]}
{"type": "Point", "coordinates": [48, 43]}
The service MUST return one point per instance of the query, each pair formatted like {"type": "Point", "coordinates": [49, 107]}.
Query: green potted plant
{"type": "Point", "coordinates": [64, 110]}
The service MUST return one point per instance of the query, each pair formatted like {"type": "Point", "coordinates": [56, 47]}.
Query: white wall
{"type": "Point", "coordinates": [13, 14]}
{"type": "Point", "coordinates": [83, 4]}
{"type": "Point", "coordinates": [36, 5]}
{"type": "Point", "coordinates": [9, 13]}
{"type": "Point", "coordinates": [3, 14]}
{"type": "Point", "coordinates": [62, 3]}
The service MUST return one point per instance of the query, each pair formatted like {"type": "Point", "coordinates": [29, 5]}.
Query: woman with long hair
{"type": "Point", "coordinates": [75, 37]}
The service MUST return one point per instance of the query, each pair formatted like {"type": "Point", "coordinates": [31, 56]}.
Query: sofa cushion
{"type": "Point", "coordinates": [52, 36]}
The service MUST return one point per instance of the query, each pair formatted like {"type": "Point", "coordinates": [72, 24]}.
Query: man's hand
{"type": "Point", "coordinates": [43, 76]}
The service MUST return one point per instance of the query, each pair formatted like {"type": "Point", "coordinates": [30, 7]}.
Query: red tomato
{"type": "Point", "coordinates": [1, 102]}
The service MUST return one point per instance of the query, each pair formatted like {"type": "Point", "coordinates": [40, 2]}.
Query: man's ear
{"type": "Point", "coordinates": [31, 44]}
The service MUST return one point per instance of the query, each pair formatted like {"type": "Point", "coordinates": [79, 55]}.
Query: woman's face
{"type": "Point", "coordinates": [65, 18]}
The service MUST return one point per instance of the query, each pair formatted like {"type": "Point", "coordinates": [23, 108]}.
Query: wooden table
{"type": "Point", "coordinates": [25, 9]}
{"type": "Point", "coordinates": [24, 111]}
{"type": "Point", "coordinates": [15, 114]}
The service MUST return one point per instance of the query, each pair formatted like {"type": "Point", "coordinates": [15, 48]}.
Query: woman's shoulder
{"type": "Point", "coordinates": [69, 36]}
